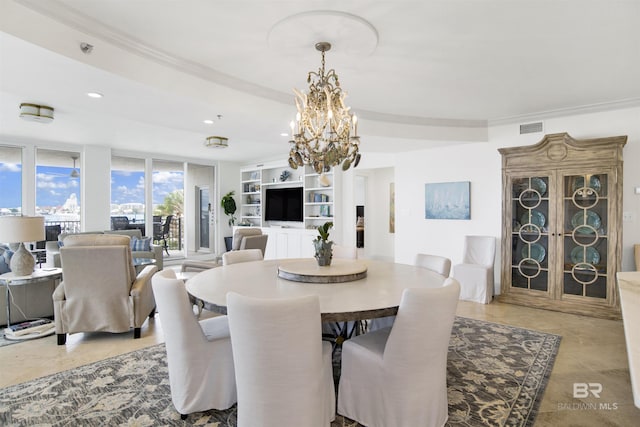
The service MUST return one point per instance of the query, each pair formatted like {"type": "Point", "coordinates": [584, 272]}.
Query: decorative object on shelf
{"type": "Point", "coordinates": [285, 175]}
{"type": "Point", "coordinates": [228, 203]}
{"type": "Point", "coordinates": [20, 229]}
{"type": "Point", "coordinates": [74, 171]}
{"type": "Point", "coordinates": [324, 180]}
{"type": "Point", "coordinates": [36, 113]}
{"type": "Point", "coordinates": [582, 254]}
{"type": "Point", "coordinates": [537, 218]}
{"type": "Point", "coordinates": [325, 132]}
{"type": "Point", "coordinates": [539, 185]}
{"type": "Point", "coordinates": [534, 251]}
{"type": "Point", "coordinates": [323, 246]}
{"type": "Point", "coordinates": [216, 142]}
{"type": "Point", "coordinates": [592, 220]}
{"type": "Point", "coordinates": [594, 183]}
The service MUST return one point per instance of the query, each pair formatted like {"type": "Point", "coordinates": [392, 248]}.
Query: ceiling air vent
{"type": "Point", "coordinates": [531, 128]}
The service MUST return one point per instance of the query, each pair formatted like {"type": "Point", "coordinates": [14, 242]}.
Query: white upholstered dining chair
{"type": "Point", "coordinates": [244, 255]}
{"type": "Point", "coordinates": [284, 371]}
{"type": "Point", "coordinates": [199, 356]}
{"type": "Point", "coordinates": [397, 376]}
{"type": "Point", "coordinates": [475, 274]}
{"type": "Point", "coordinates": [437, 264]}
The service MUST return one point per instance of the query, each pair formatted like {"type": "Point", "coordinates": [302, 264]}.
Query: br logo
{"type": "Point", "coordinates": [582, 390]}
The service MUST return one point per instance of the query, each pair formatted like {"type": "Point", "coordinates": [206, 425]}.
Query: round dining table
{"type": "Point", "coordinates": [377, 294]}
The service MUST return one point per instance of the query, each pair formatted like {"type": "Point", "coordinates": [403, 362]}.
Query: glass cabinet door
{"type": "Point", "coordinates": [530, 214]}
{"type": "Point", "coordinates": [585, 235]}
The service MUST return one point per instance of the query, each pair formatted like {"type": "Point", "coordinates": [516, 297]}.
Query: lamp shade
{"type": "Point", "coordinates": [19, 229]}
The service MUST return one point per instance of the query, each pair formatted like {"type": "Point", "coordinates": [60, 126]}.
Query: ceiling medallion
{"type": "Point", "coordinates": [216, 142]}
{"type": "Point", "coordinates": [325, 132]}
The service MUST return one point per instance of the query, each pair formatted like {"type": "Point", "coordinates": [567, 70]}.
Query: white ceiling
{"type": "Point", "coordinates": [418, 73]}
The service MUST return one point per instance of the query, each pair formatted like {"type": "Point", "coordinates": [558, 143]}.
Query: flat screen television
{"type": "Point", "coordinates": [283, 204]}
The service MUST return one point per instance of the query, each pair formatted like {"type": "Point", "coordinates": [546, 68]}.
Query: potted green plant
{"type": "Point", "coordinates": [228, 204]}
{"type": "Point", "coordinates": [323, 245]}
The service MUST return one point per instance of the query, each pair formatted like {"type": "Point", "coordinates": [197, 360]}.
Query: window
{"type": "Point", "coordinates": [168, 199]}
{"type": "Point", "coordinates": [10, 180]}
{"type": "Point", "coordinates": [58, 188]}
{"type": "Point", "coordinates": [127, 189]}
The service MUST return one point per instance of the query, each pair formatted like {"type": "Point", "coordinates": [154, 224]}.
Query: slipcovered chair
{"type": "Point", "coordinates": [249, 238]}
{"type": "Point", "coordinates": [397, 376]}
{"type": "Point", "coordinates": [199, 356]}
{"type": "Point", "coordinates": [243, 239]}
{"type": "Point", "coordinates": [100, 290]}
{"type": "Point", "coordinates": [142, 247]}
{"type": "Point", "coordinates": [246, 255]}
{"type": "Point", "coordinates": [475, 274]}
{"type": "Point", "coordinates": [437, 264]}
{"type": "Point", "coordinates": [284, 372]}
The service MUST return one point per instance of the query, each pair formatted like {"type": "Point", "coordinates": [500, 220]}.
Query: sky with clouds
{"type": "Point", "coordinates": [54, 186]}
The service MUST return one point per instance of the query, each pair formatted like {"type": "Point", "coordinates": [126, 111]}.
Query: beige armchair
{"type": "Point", "coordinates": [155, 252]}
{"type": "Point", "coordinates": [243, 239]}
{"type": "Point", "coordinates": [100, 290]}
{"type": "Point", "coordinates": [249, 238]}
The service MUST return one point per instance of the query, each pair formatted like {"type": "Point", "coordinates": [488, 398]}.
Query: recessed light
{"type": "Point", "coordinates": [208, 122]}
{"type": "Point", "coordinates": [284, 134]}
{"type": "Point", "coordinates": [94, 95]}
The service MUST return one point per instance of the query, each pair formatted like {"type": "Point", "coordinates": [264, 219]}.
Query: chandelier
{"type": "Point", "coordinates": [325, 132]}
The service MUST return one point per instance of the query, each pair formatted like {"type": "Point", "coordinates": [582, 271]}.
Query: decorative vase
{"type": "Point", "coordinates": [324, 252]}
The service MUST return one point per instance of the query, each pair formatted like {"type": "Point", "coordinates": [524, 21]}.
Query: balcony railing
{"type": "Point", "coordinates": [174, 241]}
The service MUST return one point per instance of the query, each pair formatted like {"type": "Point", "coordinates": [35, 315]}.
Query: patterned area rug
{"type": "Point", "coordinates": [496, 376]}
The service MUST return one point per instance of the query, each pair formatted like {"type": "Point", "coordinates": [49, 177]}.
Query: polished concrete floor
{"type": "Point", "coordinates": [592, 351]}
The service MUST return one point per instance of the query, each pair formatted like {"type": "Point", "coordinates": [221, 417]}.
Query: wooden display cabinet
{"type": "Point", "coordinates": [562, 224]}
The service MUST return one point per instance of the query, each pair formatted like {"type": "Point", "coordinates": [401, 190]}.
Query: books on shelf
{"type": "Point", "coordinates": [318, 197]}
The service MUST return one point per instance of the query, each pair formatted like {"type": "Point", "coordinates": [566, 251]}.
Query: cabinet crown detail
{"type": "Point", "coordinates": [560, 150]}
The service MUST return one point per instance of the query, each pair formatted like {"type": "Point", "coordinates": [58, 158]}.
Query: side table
{"type": "Point", "coordinates": [38, 275]}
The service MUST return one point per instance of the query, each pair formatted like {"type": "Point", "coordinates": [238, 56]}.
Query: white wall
{"type": "Point", "coordinates": [477, 163]}
{"type": "Point", "coordinates": [379, 242]}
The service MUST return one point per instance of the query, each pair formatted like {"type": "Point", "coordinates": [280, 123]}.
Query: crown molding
{"type": "Point", "coordinates": [563, 112]}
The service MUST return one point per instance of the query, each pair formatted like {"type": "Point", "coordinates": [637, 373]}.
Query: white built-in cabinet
{"type": "Point", "coordinates": [321, 196]}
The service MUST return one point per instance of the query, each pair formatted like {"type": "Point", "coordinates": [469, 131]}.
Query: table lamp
{"type": "Point", "coordinates": [20, 229]}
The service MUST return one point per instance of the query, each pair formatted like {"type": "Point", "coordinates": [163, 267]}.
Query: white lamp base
{"type": "Point", "coordinates": [22, 262]}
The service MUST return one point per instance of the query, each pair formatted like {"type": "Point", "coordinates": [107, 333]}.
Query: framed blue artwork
{"type": "Point", "coordinates": [447, 200]}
